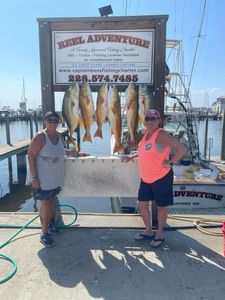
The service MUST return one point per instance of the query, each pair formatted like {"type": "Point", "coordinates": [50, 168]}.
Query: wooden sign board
{"type": "Point", "coordinates": [116, 50]}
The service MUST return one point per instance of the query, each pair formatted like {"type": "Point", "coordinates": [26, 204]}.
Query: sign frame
{"type": "Point", "coordinates": [92, 24]}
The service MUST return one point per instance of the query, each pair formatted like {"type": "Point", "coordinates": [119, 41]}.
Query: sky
{"type": "Point", "coordinates": [19, 46]}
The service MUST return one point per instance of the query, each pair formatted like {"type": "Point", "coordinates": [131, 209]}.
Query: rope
{"type": "Point", "coordinates": [197, 222]}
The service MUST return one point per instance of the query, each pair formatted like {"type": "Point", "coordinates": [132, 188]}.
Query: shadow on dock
{"type": "Point", "coordinates": [107, 263]}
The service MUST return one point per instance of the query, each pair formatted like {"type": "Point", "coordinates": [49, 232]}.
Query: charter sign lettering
{"type": "Point", "coordinates": [104, 56]}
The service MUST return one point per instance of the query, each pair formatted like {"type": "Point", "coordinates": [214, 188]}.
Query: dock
{"type": "Point", "coordinates": [98, 258]}
{"type": "Point", "coordinates": [16, 148]}
{"type": "Point", "coordinates": [21, 146]}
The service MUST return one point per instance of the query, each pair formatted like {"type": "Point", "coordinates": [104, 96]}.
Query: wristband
{"type": "Point", "coordinates": [34, 178]}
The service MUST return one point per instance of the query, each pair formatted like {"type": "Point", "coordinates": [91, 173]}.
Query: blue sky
{"type": "Point", "coordinates": [19, 56]}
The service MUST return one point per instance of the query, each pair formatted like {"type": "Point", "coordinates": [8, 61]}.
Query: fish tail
{"type": "Point", "coordinates": [80, 122]}
{"type": "Point", "coordinates": [87, 137]}
{"type": "Point", "coordinates": [71, 140]}
{"type": "Point", "coordinates": [98, 133]}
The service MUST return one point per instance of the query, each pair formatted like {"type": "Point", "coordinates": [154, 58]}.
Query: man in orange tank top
{"type": "Point", "coordinates": [155, 168]}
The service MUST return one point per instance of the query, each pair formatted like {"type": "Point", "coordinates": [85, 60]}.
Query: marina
{"type": "Point", "coordinates": [112, 71]}
{"type": "Point", "coordinates": [11, 185]}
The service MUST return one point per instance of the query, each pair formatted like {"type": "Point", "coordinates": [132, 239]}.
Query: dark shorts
{"type": "Point", "coordinates": [40, 194]}
{"type": "Point", "coordinates": [161, 190]}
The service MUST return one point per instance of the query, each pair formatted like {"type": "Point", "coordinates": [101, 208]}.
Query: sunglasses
{"type": "Point", "coordinates": [151, 118]}
{"type": "Point", "coordinates": [52, 121]}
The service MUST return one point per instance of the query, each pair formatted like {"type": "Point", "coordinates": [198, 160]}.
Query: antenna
{"type": "Point", "coordinates": [23, 98]}
{"type": "Point", "coordinates": [196, 48]}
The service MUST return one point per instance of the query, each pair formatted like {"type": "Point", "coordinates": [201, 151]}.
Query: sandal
{"type": "Point", "coordinates": [158, 241]}
{"type": "Point", "coordinates": [141, 236]}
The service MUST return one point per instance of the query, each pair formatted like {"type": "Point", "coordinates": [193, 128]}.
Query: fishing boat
{"type": "Point", "coordinates": [198, 183]}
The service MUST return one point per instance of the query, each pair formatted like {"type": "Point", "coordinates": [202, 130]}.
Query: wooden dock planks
{"type": "Point", "coordinates": [17, 147]}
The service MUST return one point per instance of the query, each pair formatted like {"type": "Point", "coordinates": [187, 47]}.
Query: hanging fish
{"type": "Point", "coordinates": [145, 101]}
{"type": "Point", "coordinates": [87, 110]}
{"type": "Point", "coordinates": [115, 117]}
{"type": "Point", "coordinates": [101, 109]}
{"type": "Point", "coordinates": [131, 107]}
{"type": "Point", "coordinates": [70, 110]}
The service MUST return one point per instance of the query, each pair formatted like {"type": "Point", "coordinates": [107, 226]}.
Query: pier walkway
{"type": "Point", "coordinates": [98, 258]}
{"type": "Point", "coordinates": [21, 146]}
{"type": "Point", "coordinates": [16, 148]}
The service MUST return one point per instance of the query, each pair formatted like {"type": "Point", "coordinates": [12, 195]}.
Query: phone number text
{"type": "Point", "coordinates": [102, 78]}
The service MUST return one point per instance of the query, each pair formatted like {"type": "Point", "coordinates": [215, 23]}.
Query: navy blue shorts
{"type": "Point", "coordinates": [161, 190]}
{"type": "Point", "coordinates": [40, 194]}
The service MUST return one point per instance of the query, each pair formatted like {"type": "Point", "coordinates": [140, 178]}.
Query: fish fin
{"type": "Point", "coordinates": [80, 122]}
{"type": "Point", "coordinates": [118, 148]}
{"type": "Point", "coordinates": [113, 110]}
{"type": "Point", "coordinates": [102, 101]}
{"type": "Point", "coordinates": [87, 137]}
{"type": "Point", "coordinates": [98, 133]}
{"type": "Point", "coordinates": [143, 99]}
{"type": "Point", "coordinates": [128, 106]}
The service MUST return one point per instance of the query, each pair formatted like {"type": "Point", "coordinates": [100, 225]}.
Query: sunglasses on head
{"type": "Point", "coordinates": [52, 121]}
{"type": "Point", "coordinates": [151, 118]}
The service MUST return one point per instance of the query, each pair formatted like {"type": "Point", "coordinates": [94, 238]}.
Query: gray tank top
{"type": "Point", "coordinates": [50, 164]}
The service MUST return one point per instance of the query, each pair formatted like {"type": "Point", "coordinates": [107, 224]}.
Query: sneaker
{"type": "Point", "coordinates": [52, 229]}
{"type": "Point", "coordinates": [46, 240]}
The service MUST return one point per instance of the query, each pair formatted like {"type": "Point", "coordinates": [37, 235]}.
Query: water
{"type": "Point", "coordinates": [16, 196]}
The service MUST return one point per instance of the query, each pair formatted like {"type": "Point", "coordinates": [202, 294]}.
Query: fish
{"type": "Point", "coordinates": [131, 107]}
{"type": "Point", "coordinates": [115, 119]}
{"type": "Point", "coordinates": [146, 101]}
{"type": "Point", "coordinates": [101, 109]}
{"type": "Point", "coordinates": [87, 110]}
{"type": "Point", "coordinates": [71, 111]}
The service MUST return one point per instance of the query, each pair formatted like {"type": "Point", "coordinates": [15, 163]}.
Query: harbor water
{"type": "Point", "coordinates": [16, 196]}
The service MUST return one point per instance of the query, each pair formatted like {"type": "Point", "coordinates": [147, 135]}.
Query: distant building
{"type": "Point", "coordinates": [218, 106]}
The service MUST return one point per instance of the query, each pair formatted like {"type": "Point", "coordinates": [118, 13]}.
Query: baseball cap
{"type": "Point", "coordinates": [50, 113]}
{"type": "Point", "coordinates": [152, 113]}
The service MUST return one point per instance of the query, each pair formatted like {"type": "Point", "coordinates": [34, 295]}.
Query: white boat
{"type": "Point", "coordinates": [197, 183]}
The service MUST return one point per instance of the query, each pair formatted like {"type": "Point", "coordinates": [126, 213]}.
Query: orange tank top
{"type": "Point", "coordinates": [150, 160]}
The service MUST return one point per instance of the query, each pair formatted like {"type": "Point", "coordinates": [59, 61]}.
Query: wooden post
{"type": "Point", "coordinates": [21, 167]}
{"type": "Point", "coordinates": [223, 138]}
{"type": "Point", "coordinates": [31, 126]}
{"type": "Point", "coordinates": [10, 170]}
{"type": "Point", "coordinates": [36, 121]}
{"type": "Point", "coordinates": [160, 64]}
{"type": "Point", "coordinates": [45, 46]}
{"type": "Point", "coordinates": [206, 134]}
{"type": "Point", "coordinates": [7, 128]}
{"type": "Point", "coordinates": [78, 136]}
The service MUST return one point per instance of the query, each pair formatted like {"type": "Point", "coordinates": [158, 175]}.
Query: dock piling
{"type": "Point", "coordinates": [7, 129]}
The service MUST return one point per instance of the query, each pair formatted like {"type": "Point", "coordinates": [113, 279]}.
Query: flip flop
{"type": "Point", "coordinates": [157, 240]}
{"type": "Point", "coordinates": [141, 236]}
